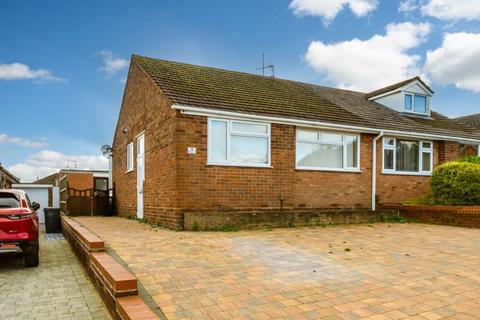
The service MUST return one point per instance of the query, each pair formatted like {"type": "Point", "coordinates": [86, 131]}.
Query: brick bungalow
{"type": "Point", "coordinates": [199, 145]}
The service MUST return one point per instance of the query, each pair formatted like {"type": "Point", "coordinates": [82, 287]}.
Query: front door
{"type": "Point", "coordinates": [140, 174]}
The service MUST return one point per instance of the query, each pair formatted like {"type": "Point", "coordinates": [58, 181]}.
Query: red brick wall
{"type": "Point", "coordinates": [202, 186]}
{"type": "Point", "coordinates": [80, 180]}
{"type": "Point", "coordinates": [145, 109]}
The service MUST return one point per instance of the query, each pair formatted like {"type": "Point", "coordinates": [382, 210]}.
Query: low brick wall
{"type": "Point", "coordinates": [462, 216]}
{"type": "Point", "coordinates": [274, 218]}
{"type": "Point", "coordinates": [116, 285]}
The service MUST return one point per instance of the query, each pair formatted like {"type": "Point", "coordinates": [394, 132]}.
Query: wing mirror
{"type": "Point", "coordinates": [35, 206]}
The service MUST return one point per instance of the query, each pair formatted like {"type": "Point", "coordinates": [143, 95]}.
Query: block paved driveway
{"type": "Point", "coordinates": [57, 289]}
{"type": "Point", "coordinates": [381, 271]}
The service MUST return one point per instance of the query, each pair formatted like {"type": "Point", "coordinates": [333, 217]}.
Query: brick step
{"type": "Point", "coordinates": [133, 308]}
{"type": "Point", "coordinates": [119, 280]}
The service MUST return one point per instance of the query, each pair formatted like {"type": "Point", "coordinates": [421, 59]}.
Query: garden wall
{"type": "Point", "coordinates": [461, 216]}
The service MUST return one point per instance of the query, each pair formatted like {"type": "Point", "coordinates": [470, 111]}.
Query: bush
{"type": "Point", "coordinates": [471, 159]}
{"type": "Point", "coordinates": [456, 183]}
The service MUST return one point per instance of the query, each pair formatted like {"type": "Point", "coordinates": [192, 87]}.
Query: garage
{"type": "Point", "coordinates": [46, 195]}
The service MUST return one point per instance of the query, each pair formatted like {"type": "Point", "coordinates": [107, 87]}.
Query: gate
{"type": "Point", "coordinates": [89, 202]}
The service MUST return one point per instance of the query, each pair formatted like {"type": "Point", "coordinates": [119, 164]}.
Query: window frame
{"type": "Point", "coordinates": [130, 157]}
{"type": "Point", "coordinates": [412, 110]}
{"type": "Point", "coordinates": [318, 141]}
{"type": "Point", "coordinates": [421, 151]}
{"type": "Point", "coordinates": [230, 133]}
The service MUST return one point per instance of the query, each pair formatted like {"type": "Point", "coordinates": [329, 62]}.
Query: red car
{"type": "Point", "coordinates": [19, 229]}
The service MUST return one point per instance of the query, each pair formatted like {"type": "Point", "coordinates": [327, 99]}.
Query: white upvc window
{"type": "Point", "coordinates": [329, 151]}
{"type": "Point", "coordinates": [416, 103]}
{"type": "Point", "coordinates": [403, 156]}
{"type": "Point", "coordinates": [238, 143]}
{"type": "Point", "coordinates": [130, 157]}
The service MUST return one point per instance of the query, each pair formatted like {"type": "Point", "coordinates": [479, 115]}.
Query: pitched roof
{"type": "Point", "coordinates": [48, 179]}
{"type": "Point", "coordinates": [396, 86]}
{"type": "Point", "coordinates": [472, 120]}
{"type": "Point", "coordinates": [217, 89]}
{"type": "Point", "coordinates": [8, 173]}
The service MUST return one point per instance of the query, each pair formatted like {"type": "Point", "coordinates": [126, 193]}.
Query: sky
{"type": "Point", "coordinates": [63, 64]}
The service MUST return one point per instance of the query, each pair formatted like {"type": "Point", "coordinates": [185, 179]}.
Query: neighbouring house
{"type": "Point", "coordinates": [77, 188]}
{"type": "Point", "coordinates": [7, 178]}
{"type": "Point", "coordinates": [203, 146]}
{"type": "Point", "coordinates": [473, 121]}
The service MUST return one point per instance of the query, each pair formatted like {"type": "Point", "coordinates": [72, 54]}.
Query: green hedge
{"type": "Point", "coordinates": [457, 182]}
{"type": "Point", "coordinates": [471, 159]}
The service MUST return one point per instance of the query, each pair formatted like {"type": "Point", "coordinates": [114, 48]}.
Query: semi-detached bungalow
{"type": "Point", "coordinates": [199, 146]}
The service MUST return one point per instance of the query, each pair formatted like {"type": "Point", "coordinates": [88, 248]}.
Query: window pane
{"type": "Point", "coordinates": [389, 141]}
{"type": "Point", "coordinates": [307, 135]}
{"type": "Point", "coordinates": [408, 102]}
{"type": "Point", "coordinates": [331, 138]}
{"type": "Point", "coordinates": [248, 149]}
{"type": "Point", "coordinates": [352, 144]}
{"type": "Point", "coordinates": [426, 145]}
{"type": "Point", "coordinates": [319, 155]}
{"type": "Point", "coordinates": [407, 156]}
{"type": "Point", "coordinates": [218, 141]}
{"type": "Point", "coordinates": [101, 184]}
{"type": "Point", "coordinates": [249, 127]}
{"type": "Point", "coordinates": [420, 104]}
{"type": "Point", "coordinates": [388, 159]}
{"type": "Point", "coordinates": [426, 161]}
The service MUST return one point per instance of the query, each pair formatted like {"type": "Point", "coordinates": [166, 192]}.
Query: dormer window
{"type": "Point", "coordinates": [415, 103]}
{"type": "Point", "coordinates": [409, 96]}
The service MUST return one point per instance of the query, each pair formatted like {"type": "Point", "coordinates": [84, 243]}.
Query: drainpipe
{"type": "Point", "coordinates": [374, 169]}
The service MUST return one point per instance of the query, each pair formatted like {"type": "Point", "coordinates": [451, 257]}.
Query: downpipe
{"type": "Point", "coordinates": [374, 169]}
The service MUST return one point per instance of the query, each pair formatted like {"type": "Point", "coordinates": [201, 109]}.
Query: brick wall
{"type": "Point", "coordinates": [80, 180]}
{"type": "Point", "coordinates": [145, 109]}
{"type": "Point", "coordinates": [208, 187]}
{"type": "Point", "coordinates": [447, 215]}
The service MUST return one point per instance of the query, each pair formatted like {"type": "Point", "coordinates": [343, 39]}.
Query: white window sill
{"type": "Point", "coordinates": [246, 165]}
{"type": "Point", "coordinates": [401, 173]}
{"type": "Point", "coordinates": [129, 171]}
{"type": "Point", "coordinates": [329, 169]}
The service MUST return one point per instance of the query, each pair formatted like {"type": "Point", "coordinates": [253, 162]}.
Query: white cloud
{"type": "Point", "coordinates": [456, 61]}
{"type": "Point", "coordinates": [452, 10]}
{"type": "Point", "coordinates": [19, 71]}
{"type": "Point", "coordinates": [23, 142]}
{"type": "Point", "coordinates": [328, 9]}
{"type": "Point", "coordinates": [46, 162]}
{"type": "Point", "coordinates": [370, 64]}
{"type": "Point", "coordinates": [408, 6]}
{"type": "Point", "coordinates": [112, 63]}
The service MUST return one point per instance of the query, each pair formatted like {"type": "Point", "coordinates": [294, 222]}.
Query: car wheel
{"type": "Point", "coordinates": [31, 259]}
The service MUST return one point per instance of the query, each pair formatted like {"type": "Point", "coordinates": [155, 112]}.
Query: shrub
{"type": "Point", "coordinates": [471, 159]}
{"type": "Point", "coordinates": [456, 183]}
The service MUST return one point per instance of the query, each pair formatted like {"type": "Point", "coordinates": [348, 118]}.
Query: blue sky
{"type": "Point", "coordinates": [63, 64]}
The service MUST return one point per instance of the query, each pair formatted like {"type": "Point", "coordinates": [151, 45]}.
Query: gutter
{"type": "Point", "coordinates": [188, 110]}
{"type": "Point", "coordinates": [374, 170]}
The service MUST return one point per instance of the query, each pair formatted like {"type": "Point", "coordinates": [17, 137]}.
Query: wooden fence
{"type": "Point", "coordinates": [87, 202]}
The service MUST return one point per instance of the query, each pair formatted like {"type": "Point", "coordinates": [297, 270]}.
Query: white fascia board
{"type": "Point", "coordinates": [189, 110]}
